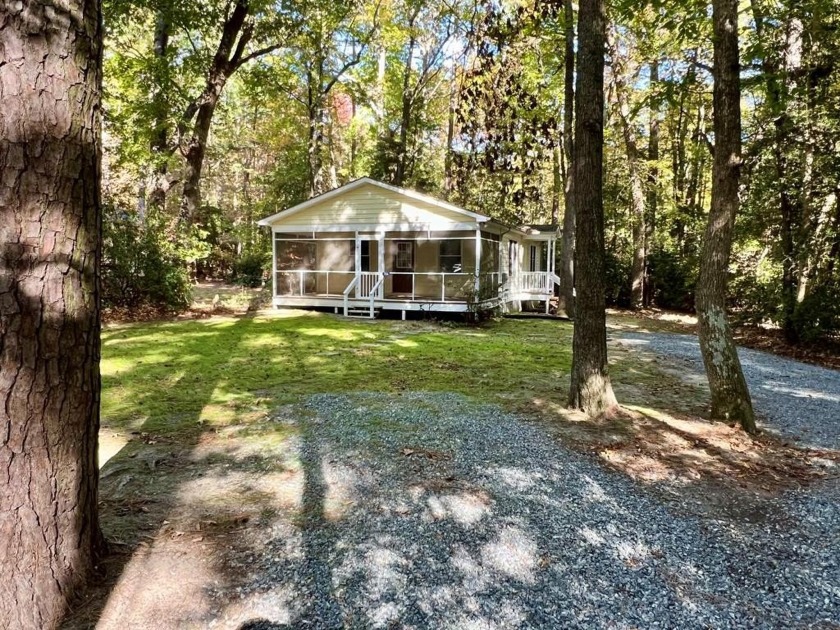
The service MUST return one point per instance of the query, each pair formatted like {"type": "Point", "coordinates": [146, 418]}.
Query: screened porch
{"type": "Point", "coordinates": [400, 266]}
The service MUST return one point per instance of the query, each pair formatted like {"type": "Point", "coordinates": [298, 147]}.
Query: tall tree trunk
{"type": "Point", "coordinates": [50, 85]}
{"type": "Point", "coordinates": [405, 113]}
{"type": "Point", "coordinates": [777, 96]}
{"type": "Point", "coordinates": [449, 163]}
{"type": "Point", "coordinates": [558, 170]}
{"type": "Point", "coordinates": [196, 149]}
{"type": "Point", "coordinates": [317, 184]}
{"type": "Point", "coordinates": [730, 396]}
{"type": "Point", "coordinates": [637, 192]}
{"type": "Point", "coordinates": [653, 175]}
{"type": "Point", "coordinates": [590, 389]}
{"type": "Point", "coordinates": [230, 55]}
{"type": "Point", "coordinates": [159, 144]}
{"type": "Point", "coordinates": [566, 299]}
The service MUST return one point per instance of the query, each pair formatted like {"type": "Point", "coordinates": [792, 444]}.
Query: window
{"type": "Point", "coordinates": [404, 259]}
{"type": "Point", "coordinates": [450, 256]}
{"type": "Point", "coordinates": [533, 261]}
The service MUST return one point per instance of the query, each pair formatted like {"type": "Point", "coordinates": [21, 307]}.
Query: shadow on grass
{"type": "Point", "coordinates": [139, 485]}
{"type": "Point", "coordinates": [210, 469]}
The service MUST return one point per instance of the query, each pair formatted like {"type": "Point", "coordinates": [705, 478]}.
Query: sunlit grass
{"type": "Point", "coordinates": [179, 376]}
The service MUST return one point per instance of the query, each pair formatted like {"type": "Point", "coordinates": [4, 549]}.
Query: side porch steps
{"type": "Point", "coordinates": [363, 312]}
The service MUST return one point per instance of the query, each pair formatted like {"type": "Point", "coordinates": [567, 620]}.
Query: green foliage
{"type": "Point", "coordinates": [139, 265]}
{"type": "Point", "coordinates": [252, 268]}
{"type": "Point", "coordinates": [818, 315]}
{"type": "Point", "coordinates": [616, 273]}
{"type": "Point", "coordinates": [672, 280]}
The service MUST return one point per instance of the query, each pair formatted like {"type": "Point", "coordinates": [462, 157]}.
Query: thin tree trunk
{"type": "Point", "coordinates": [405, 113]}
{"type": "Point", "coordinates": [730, 396]}
{"type": "Point", "coordinates": [449, 166]}
{"type": "Point", "coordinates": [637, 192]}
{"type": "Point", "coordinates": [566, 299]}
{"type": "Point", "coordinates": [558, 169]}
{"type": "Point", "coordinates": [50, 87]}
{"type": "Point", "coordinates": [159, 144]}
{"type": "Point", "coordinates": [590, 390]}
{"type": "Point", "coordinates": [653, 175]}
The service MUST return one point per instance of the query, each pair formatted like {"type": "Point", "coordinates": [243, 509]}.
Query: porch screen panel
{"type": "Point", "coordinates": [295, 259]}
{"type": "Point", "coordinates": [450, 256]}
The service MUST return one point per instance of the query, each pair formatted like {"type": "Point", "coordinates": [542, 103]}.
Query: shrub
{"type": "Point", "coordinates": [138, 268]}
{"type": "Point", "coordinates": [617, 280]}
{"type": "Point", "coordinates": [672, 280]}
{"type": "Point", "coordinates": [251, 268]}
{"type": "Point", "coordinates": [818, 315]}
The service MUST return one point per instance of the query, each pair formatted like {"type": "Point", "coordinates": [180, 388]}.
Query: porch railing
{"type": "Point", "coordinates": [431, 286]}
{"type": "Point", "coordinates": [532, 282]}
{"type": "Point", "coordinates": [346, 294]}
{"type": "Point", "coordinates": [367, 281]}
{"type": "Point", "coordinates": [301, 282]}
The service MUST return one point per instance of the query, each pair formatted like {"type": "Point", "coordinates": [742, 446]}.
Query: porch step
{"type": "Point", "coordinates": [362, 312]}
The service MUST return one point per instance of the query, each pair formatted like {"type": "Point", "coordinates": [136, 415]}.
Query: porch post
{"type": "Point", "coordinates": [357, 255]}
{"type": "Point", "coordinates": [380, 264]}
{"type": "Point", "coordinates": [477, 263]}
{"type": "Point", "coordinates": [273, 266]}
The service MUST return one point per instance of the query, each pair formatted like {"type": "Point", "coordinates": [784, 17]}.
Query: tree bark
{"type": "Point", "coordinates": [159, 144]}
{"type": "Point", "coordinates": [407, 103]}
{"type": "Point", "coordinates": [50, 87]}
{"type": "Point", "coordinates": [566, 299]}
{"type": "Point", "coordinates": [229, 56]}
{"type": "Point", "coordinates": [730, 396]}
{"type": "Point", "coordinates": [653, 175]}
{"type": "Point", "coordinates": [591, 390]}
{"type": "Point", "coordinates": [637, 191]}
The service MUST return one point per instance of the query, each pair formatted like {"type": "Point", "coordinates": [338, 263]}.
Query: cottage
{"type": "Point", "coordinates": [368, 246]}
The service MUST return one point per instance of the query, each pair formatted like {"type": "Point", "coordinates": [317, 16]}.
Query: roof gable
{"type": "Point", "coordinates": [368, 202]}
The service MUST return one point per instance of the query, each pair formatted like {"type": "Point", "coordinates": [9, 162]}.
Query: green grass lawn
{"type": "Point", "coordinates": [173, 377]}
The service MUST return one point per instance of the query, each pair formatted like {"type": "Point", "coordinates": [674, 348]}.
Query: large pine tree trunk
{"type": "Point", "coordinates": [49, 307]}
{"type": "Point", "coordinates": [730, 396]}
{"type": "Point", "coordinates": [590, 389]}
{"type": "Point", "coordinates": [566, 300]}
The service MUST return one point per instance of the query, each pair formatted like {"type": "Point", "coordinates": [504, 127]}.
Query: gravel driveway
{"type": "Point", "coordinates": [428, 510]}
{"type": "Point", "coordinates": [793, 399]}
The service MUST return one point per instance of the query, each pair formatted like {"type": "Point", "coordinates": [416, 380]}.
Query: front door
{"type": "Point", "coordinates": [403, 267]}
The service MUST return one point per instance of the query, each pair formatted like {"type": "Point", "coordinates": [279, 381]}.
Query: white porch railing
{"type": "Point", "coordinates": [431, 286]}
{"type": "Point", "coordinates": [532, 282]}
{"type": "Point", "coordinates": [374, 291]}
{"type": "Point", "coordinates": [346, 294]}
{"type": "Point", "coordinates": [301, 282]}
{"type": "Point", "coordinates": [367, 281]}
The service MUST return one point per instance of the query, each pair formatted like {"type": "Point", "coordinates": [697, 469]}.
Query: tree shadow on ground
{"type": "Point", "coordinates": [284, 521]}
{"type": "Point", "coordinates": [139, 485]}
{"type": "Point", "coordinates": [443, 526]}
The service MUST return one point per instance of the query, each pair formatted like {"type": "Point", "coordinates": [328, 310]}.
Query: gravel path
{"type": "Point", "coordinates": [430, 511]}
{"type": "Point", "coordinates": [793, 399]}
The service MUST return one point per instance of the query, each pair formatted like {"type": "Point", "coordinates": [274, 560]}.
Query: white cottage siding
{"type": "Point", "coordinates": [366, 208]}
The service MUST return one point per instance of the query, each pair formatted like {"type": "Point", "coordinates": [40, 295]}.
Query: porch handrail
{"type": "Point", "coordinates": [346, 293]}
{"type": "Point", "coordinates": [374, 292]}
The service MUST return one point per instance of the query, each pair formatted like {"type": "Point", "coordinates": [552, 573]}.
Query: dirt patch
{"type": "Point", "coordinates": [714, 469]}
